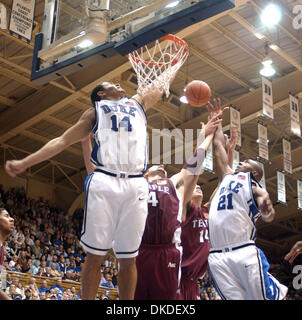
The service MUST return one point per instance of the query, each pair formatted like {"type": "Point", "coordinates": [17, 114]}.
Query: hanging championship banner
{"type": "Point", "coordinates": [262, 181]}
{"type": "Point", "coordinates": [236, 159]}
{"type": "Point", "coordinates": [287, 156]}
{"type": "Point", "coordinates": [208, 161]}
{"type": "Point", "coordinates": [299, 193]}
{"type": "Point", "coordinates": [22, 18]}
{"type": "Point", "coordinates": [281, 187]}
{"type": "Point", "coordinates": [262, 141]}
{"type": "Point", "coordinates": [267, 99]}
{"type": "Point", "coordinates": [235, 121]}
{"type": "Point", "coordinates": [294, 115]}
{"type": "Point", "coordinates": [3, 24]}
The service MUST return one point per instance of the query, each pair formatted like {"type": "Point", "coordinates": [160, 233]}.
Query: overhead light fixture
{"type": "Point", "coordinates": [184, 99]}
{"type": "Point", "coordinates": [271, 15]}
{"type": "Point", "coordinates": [258, 141]}
{"type": "Point", "coordinates": [267, 70]}
{"type": "Point", "coordinates": [172, 4]}
{"type": "Point", "coordinates": [85, 43]}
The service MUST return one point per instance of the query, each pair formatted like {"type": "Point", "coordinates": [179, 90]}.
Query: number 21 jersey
{"type": "Point", "coordinates": [233, 211]}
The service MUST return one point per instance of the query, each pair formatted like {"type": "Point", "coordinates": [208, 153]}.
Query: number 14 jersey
{"type": "Point", "coordinates": [233, 211]}
{"type": "Point", "coordinates": [120, 136]}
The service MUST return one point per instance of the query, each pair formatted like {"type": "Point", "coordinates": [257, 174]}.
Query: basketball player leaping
{"type": "Point", "coordinates": [116, 193]}
{"type": "Point", "coordinates": [159, 258]}
{"type": "Point", "coordinates": [238, 268]}
{"type": "Point", "coordinates": [6, 229]}
{"type": "Point", "coordinates": [194, 236]}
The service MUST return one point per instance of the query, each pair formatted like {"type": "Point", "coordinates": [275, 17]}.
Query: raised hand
{"type": "Point", "coordinates": [15, 167]}
{"type": "Point", "coordinates": [294, 252]}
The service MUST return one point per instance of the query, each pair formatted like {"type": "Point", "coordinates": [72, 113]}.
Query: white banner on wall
{"type": "Point", "coordinates": [236, 159]}
{"type": "Point", "coordinates": [267, 99]}
{"type": "Point", "coordinates": [299, 193]}
{"type": "Point", "coordinates": [287, 156]}
{"type": "Point", "coordinates": [208, 161]}
{"type": "Point", "coordinates": [235, 121]}
{"type": "Point", "coordinates": [22, 18]}
{"type": "Point", "coordinates": [3, 14]}
{"type": "Point", "coordinates": [294, 116]}
{"type": "Point", "coordinates": [263, 143]}
{"type": "Point", "coordinates": [281, 187]}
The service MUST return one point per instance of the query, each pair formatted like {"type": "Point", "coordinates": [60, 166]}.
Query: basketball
{"type": "Point", "coordinates": [198, 93]}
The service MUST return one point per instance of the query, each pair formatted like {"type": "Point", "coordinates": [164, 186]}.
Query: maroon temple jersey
{"type": "Point", "coordinates": [195, 243]}
{"type": "Point", "coordinates": [164, 214]}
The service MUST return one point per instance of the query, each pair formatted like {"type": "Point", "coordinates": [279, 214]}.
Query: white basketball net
{"type": "Point", "coordinates": [157, 66]}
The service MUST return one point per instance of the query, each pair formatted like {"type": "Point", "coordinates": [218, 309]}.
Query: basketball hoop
{"type": "Point", "coordinates": [157, 66]}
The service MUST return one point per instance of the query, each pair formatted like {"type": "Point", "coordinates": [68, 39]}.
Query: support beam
{"type": "Point", "coordinates": [243, 22]}
{"type": "Point", "coordinates": [220, 67]}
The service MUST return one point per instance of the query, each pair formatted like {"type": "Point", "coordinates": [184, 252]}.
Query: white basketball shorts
{"type": "Point", "coordinates": [243, 274]}
{"type": "Point", "coordinates": [115, 214]}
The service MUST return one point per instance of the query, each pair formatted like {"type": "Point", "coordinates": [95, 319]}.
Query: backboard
{"type": "Point", "coordinates": [76, 33]}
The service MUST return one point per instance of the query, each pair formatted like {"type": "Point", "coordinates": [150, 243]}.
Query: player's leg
{"type": "Point", "coordinates": [97, 230]}
{"type": "Point", "coordinates": [261, 285]}
{"type": "Point", "coordinates": [127, 278]}
{"type": "Point", "coordinates": [225, 278]}
{"type": "Point", "coordinates": [129, 231]}
{"type": "Point", "coordinates": [91, 276]}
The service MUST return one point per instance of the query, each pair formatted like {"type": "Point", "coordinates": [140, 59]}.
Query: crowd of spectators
{"type": "Point", "coordinates": [46, 243]}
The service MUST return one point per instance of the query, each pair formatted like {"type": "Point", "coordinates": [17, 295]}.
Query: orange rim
{"type": "Point", "coordinates": [166, 37]}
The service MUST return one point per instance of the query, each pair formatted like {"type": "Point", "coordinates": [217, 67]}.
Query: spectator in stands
{"type": "Point", "coordinates": [58, 285]}
{"type": "Point", "coordinates": [44, 286]}
{"type": "Point", "coordinates": [53, 271]}
{"type": "Point", "coordinates": [28, 294]}
{"type": "Point", "coordinates": [35, 268]}
{"type": "Point", "coordinates": [36, 249]}
{"type": "Point", "coordinates": [13, 262]}
{"type": "Point", "coordinates": [69, 276]}
{"type": "Point", "coordinates": [42, 296]}
{"type": "Point", "coordinates": [108, 284]}
{"type": "Point", "coordinates": [32, 285]}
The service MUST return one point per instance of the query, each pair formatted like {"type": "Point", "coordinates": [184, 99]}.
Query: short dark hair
{"type": "Point", "coordinates": [94, 94]}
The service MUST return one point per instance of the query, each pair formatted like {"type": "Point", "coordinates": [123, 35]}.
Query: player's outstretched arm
{"type": "Point", "coordinates": [231, 145]}
{"type": "Point", "coordinates": [294, 252]}
{"type": "Point", "coordinates": [264, 203]}
{"type": "Point", "coordinates": [188, 176]}
{"type": "Point", "coordinates": [86, 150]}
{"type": "Point", "coordinates": [74, 134]}
{"type": "Point", "coordinates": [219, 145]}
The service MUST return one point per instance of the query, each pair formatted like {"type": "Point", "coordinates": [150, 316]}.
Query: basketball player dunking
{"type": "Point", "coordinates": [238, 268]}
{"type": "Point", "coordinates": [6, 229]}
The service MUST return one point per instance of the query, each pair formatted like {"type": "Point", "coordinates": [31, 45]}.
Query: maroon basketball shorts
{"type": "Point", "coordinates": [158, 272]}
{"type": "Point", "coordinates": [189, 289]}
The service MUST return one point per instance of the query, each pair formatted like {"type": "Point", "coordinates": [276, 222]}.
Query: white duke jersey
{"type": "Point", "coordinates": [233, 211]}
{"type": "Point", "coordinates": [120, 136]}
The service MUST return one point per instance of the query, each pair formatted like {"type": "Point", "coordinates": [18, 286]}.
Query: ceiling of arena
{"type": "Point", "coordinates": [224, 52]}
